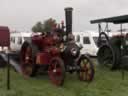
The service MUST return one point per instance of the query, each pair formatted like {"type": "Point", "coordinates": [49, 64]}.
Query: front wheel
{"type": "Point", "coordinates": [86, 72]}
{"type": "Point", "coordinates": [56, 71]}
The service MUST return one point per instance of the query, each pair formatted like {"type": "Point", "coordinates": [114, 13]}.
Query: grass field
{"type": "Point", "coordinates": [106, 83]}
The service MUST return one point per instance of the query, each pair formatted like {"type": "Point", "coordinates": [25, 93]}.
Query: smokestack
{"type": "Point", "coordinates": [68, 17]}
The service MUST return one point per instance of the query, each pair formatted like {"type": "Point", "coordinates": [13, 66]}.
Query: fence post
{"type": "Point", "coordinates": [8, 71]}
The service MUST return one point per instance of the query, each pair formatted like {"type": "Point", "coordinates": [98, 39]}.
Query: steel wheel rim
{"type": "Point", "coordinates": [55, 72]}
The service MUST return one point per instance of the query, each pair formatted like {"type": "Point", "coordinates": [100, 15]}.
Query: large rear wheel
{"type": "Point", "coordinates": [86, 72]}
{"type": "Point", "coordinates": [108, 56]}
{"type": "Point", "coordinates": [56, 71]}
{"type": "Point", "coordinates": [27, 60]}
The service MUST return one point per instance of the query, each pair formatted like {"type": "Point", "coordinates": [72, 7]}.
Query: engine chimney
{"type": "Point", "coordinates": [68, 17]}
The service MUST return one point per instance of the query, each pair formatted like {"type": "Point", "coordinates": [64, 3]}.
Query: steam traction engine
{"type": "Point", "coordinates": [113, 50]}
{"type": "Point", "coordinates": [55, 55]}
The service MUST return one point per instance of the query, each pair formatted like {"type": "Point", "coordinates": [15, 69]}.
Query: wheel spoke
{"type": "Point", "coordinates": [58, 71]}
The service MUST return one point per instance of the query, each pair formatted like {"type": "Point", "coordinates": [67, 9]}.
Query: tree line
{"type": "Point", "coordinates": [46, 26]}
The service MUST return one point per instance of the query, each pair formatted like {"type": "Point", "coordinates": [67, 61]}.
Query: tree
{"type": "Point", "coordinates": [45, 27]}
{"type": "Point", "coordinates": [48, 24]}
{"type": "Point", "coordinates": [38, 27]}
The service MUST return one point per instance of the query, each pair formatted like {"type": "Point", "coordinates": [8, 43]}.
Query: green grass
{"type": "Point", "coordinates": [105, 83]}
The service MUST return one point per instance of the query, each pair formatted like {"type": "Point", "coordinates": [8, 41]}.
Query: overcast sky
{"type": "Point", "coordinates": [23, 14]}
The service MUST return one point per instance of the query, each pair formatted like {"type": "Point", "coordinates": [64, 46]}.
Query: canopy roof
{"type": "Point", "coordinates": [115, 20]}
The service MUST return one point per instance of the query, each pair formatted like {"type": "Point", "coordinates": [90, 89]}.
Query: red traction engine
{"type": "Point", "coordinates": [54, 54]}
{"type": "Point", "coordinates": [42, 52]}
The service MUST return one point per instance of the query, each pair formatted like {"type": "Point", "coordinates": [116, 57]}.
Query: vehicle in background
{"type": "Point", "coordinates": [18, 38]}
{"type": "Point", "coordinates": [113, 54]}
{"type": "Point", "coordinates": [4, 37]}
{"type": "Point", "coordinates": [88, 40]}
